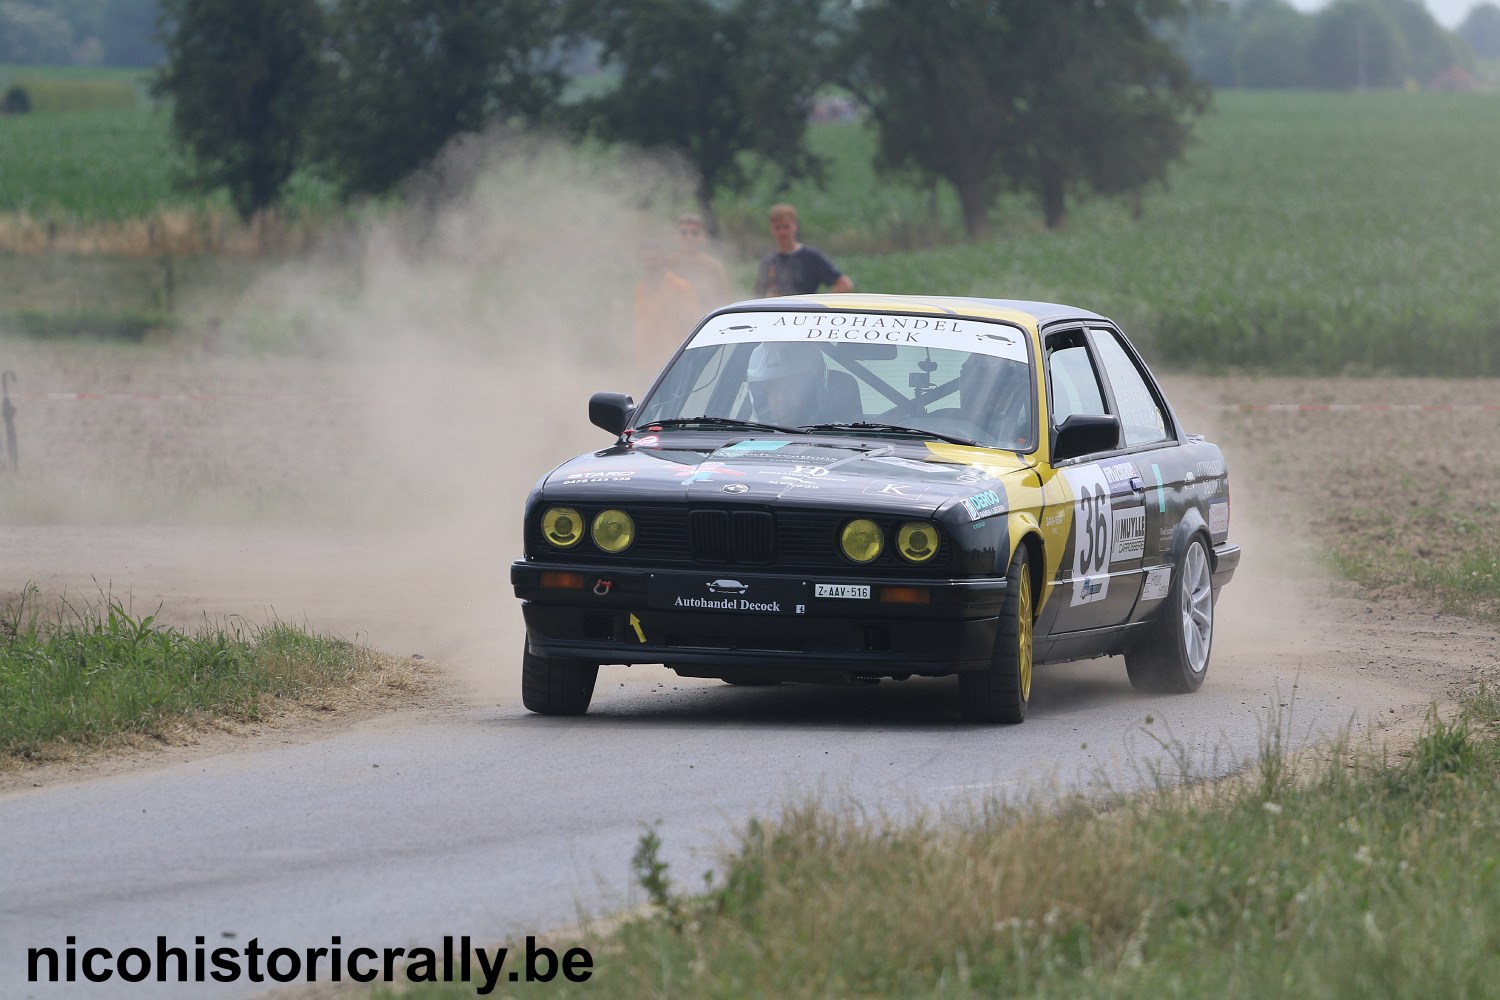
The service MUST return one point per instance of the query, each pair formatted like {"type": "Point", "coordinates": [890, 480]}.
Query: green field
{"type": "Point", "coordinates": [1305, 233]}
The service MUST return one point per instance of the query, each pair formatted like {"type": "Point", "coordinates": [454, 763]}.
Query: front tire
{"type": "Point", "coordinates": [556, 686]}
{"type": "Point", "coordinates": [1173, 657]}
{"type": "Point", "coordinates": [1003, 692]}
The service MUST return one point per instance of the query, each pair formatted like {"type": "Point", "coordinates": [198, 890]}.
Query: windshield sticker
{"type": "Point", "coordinates": [973, 336]}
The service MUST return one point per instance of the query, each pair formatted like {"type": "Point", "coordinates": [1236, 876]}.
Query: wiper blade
{"type": "Point", "coordinates": [724, 422]}
{"type": "Point", "coordinates": [861, 425]}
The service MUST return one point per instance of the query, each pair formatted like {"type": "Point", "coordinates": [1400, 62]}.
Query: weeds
{"type": "Point", "coordinates": [86, 674]}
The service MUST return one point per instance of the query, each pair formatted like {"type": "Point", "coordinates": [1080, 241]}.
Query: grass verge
{"type": "Point", "coordinates": [1352, 875]}
{"type": "Point", "coordinates": [87, 675]}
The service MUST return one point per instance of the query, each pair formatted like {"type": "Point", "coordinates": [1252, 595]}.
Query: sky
{"type": "Point", "coordinates": [1449, 13]}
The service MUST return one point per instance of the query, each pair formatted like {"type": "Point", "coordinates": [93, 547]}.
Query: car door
{"type": "Point", "coordinates": [1150, 438]}
{"type": "Point", "coordinates": [1099, 575]}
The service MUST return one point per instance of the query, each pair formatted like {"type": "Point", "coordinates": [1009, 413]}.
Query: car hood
{"type": "Point", "coordinates": [912, 476]}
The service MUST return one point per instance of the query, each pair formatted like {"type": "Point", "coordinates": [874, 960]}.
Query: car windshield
{"type": "Point", "coordinates": [960, 379]}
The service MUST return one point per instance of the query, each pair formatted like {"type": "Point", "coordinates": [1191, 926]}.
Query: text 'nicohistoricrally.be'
{"type": "Point", "coordinates": [457, 960]}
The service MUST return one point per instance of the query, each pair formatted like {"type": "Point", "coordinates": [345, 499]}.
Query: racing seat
{"type": "Point", "coordinates": [843, 404]}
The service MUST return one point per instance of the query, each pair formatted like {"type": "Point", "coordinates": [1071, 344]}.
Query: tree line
{"type": "Point", "coordinates": [79, 32]}
{"type": "Point", "coordinates": [1048, 98]}
{"type": "Point", "coordinates": [1346, 45]}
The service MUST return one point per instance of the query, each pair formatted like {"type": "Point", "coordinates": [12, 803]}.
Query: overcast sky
{"type": "Point", "coordinates": [1449, 13]}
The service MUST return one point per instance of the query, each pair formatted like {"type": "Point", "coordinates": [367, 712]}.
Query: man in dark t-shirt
{"type": "Point", "coordinates": [794, 269]}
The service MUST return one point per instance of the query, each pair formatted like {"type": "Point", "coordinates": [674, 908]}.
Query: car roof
{"type": "Point", "coordinates": [1021, 311]}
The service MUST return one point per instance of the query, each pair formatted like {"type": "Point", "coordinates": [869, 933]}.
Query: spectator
{"type": "Point", "coordinates": [666, 308]}
{"type": "Point", "coordinates": [701, 269]}
{"type": "Point", "coordinates": [793, 268]}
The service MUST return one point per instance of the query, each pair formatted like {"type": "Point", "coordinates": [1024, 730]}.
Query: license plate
{"type": "Point", "coordinates": [847, 591]}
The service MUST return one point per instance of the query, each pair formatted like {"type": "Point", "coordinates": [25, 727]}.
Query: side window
{"type": "Point", "coordinates": [1141, 417]}
{"type": "Point", "coordinates": [1075, 386]}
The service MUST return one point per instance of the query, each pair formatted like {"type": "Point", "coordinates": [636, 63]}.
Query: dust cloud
{"type": "Point", "coordinates": [351, 445]}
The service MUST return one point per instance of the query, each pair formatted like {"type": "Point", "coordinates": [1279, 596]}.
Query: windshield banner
{"type": "Point", "coordinates": [827, 327]}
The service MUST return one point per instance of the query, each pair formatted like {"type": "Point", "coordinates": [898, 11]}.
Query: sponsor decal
{"type": "Point", "coordinates": [813, 471]}
{"type": "Point", "coordinates": [1212, 469]}
{"type": "Point", "coordinates": [896, 491]}
{"type": "Point", "coordinates": [1158, 582]}
{"type": "Point", "coordinates": [1093, 531]}
{"type": "Point", "coordinates": [705, 472]}
{"type": "Point", "coordinates": [926, 468]}
{"type": "Point", "coordinates": [727, 587]}
{"type": "Point", "coordinates": [1130, 534]}
{"type": "Point", "coordinates": [740, 447]}
{"type": "Point", "coordinates": [1119, 476]}
{"type": "Point", "coordinates": [1218, 518]}
{"type": "Point", "coordinates": [842, 591]}
{"type": "Point", "coordinates": [983, 504]}
{"type": "Point", "coordinates": [583, 476]}
{"type": "Point", "coordinates": [649, 441]}
{"type": "Point", "coordinates": [735, 488]}
{"type": "Point", "coordinates": [727, 604]}
{"type": "Point", "coordinates": [834, 327]}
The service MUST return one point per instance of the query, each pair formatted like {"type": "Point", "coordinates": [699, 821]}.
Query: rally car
{"type": "Point", "coordinates": [849, 488]}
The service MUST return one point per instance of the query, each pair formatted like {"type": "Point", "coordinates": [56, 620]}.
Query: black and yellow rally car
{"type": "Point", "coordinates": [845, 488]}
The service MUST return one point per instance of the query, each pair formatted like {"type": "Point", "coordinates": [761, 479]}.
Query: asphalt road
{"type": "Point", "coordinates": [490, 822]}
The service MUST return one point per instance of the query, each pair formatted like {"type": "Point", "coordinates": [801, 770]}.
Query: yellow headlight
{"type": "Point", "coordinates": [917, 541]}
{"type": "Point", "coordinates": [861, 540]}
{"type": "Point", "coordinates": [562, 526]}
{"type": "Point", "coordinates": [613, 530]}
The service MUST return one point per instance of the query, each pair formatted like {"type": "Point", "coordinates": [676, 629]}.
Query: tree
{"type": "Point", "coordinates": [1481, 29]}
{"type": "Point", "coordinates": [406, 76]}
{"type": "Point", "coordinates": [34, 35]}
{"type": "Point", "coordinates": [241, 77]}
{"type": "Point", "coordinates": [129, 33]}
{"type": "Point", "coordinates": [1357, 44]}
{"type": "Point", "coordinates": [711, 82]}
{"type": "Point", "coordinates": [1271, 51]}
{"type": "Point", "coordinates": [1430, 48]}
{"type": "Point", "coordinates": [1046, 96]}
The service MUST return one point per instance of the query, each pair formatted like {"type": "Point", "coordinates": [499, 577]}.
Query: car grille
{"type": "Point", "coordinates": [708, 537]}
{"type": "Point", "coordinates": [727, 537]}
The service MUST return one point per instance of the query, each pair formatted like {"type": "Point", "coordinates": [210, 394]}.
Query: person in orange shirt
{"type": "Point", "coordinates": [666, 309]}
{"type": "Point", "coordinates": [701, 269]}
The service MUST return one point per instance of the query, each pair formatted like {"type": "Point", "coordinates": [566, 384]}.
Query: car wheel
{"type": "Point", "coordinates": [1002, 693]}
{"type": "Point", "coordinates": [556, 686]}
{"type": "Point", "coordinates": [1173, 657]}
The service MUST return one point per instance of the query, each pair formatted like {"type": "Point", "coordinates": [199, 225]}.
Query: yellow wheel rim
{"type": "Point", "coordinates": [1023, 635]}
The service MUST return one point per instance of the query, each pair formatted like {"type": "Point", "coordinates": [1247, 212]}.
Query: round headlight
{"type": "Point", "coordinates": [861, 540]}
{"type": "Point", "coordinates": [562, 526]}
{"type": "Point", "coordinates": [917, 541]}
{"type": "Point", "coordinates": [613, 530]}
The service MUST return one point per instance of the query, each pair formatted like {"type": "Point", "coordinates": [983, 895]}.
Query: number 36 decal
{"type": "Point", "coordinates": [1093, 522]}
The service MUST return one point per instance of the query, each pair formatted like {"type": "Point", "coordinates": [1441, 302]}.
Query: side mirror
{"type": "Point", "coordinates": [611, 411]}
{"type": "Point", "coordinates": [1084, 434]}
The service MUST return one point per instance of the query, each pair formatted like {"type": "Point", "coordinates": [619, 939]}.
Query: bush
{"type": "Point", "coordinates": [17, 101]}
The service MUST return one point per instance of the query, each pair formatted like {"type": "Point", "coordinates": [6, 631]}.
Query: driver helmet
{"type": "Point", "coordinates": [787, 382]}
{"type": "Point", "coordinates": [995, 395]}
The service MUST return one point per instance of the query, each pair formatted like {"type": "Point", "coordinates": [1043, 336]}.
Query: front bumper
{"type": "Point", "coordinates": [753, 621]}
